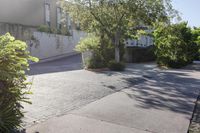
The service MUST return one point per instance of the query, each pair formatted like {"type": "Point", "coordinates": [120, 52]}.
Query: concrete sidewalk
{"type": "Point", "coordinates": [97, 117]}
{"type": "Point", "coordinates": [116, 113]}
{"type": "Point", "coordinates": [78, 124]}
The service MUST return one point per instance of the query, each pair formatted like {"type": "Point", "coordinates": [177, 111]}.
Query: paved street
{"type": "Point", "coordinates": [61, 86]}
{"type": "Point", "coordinates": [143, 99]}
{"type": "Point", "coordinates": [59, 65]}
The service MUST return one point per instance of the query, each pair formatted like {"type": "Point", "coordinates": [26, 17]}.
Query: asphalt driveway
{"type": "Point", "coordinates": [61, 86]}
{"type": "Point", "coordinates": [142, 98]}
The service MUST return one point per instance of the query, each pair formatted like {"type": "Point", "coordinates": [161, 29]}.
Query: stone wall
{"type": "Point", "coordinates": [45, 46]}
{"type": "Point", "coordinates": [48, 46]}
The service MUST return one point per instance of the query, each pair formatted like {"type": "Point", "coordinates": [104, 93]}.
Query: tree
{"type": "Point", "coordinates": [117, 18]}
{"type": "Point", "coordinates": [196, 40]}
{"type": "Point", "coordinates": [174, 45]}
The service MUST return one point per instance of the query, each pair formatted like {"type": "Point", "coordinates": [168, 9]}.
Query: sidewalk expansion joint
{"type": "Point", "coordinates": [117, 124]}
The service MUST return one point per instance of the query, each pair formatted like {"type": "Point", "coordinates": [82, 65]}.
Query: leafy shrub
{"type": "Point", "coordinates": [94, 62]}
{"type": "Point", "coordinates": [116, 66]}
{"type": "Point", "coordinates": [196, 40]}
{"type": "Point", "coordinates": [62, 31]}
{"type": "Point", "coordinates": [14, 59]}
{"type": "Point", "coordinates": [53, 30]}
{"type": "Point", "coordinates": [101, 48]}
{"type": "Point", "coordinates": [173, 45]}
{"type": "Point", "coordinates": [89, 43]}
{"type": "Point", "coordinates": [47, 29]}
{"type": "Point", "coordinates": [44, 28]}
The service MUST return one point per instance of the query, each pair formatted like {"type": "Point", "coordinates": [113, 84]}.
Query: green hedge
{"type": "Point", "coordinates": [174, 46]}
{"type": "Point", "coordinates": [14, 59]}
{"type": "Point", "coordinates": [196, 40]}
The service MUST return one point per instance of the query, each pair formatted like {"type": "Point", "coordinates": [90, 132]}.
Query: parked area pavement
{"type": "Point", "coordinates": [142, 99]}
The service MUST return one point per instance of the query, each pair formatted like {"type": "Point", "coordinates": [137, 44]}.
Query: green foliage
{"type": "Point", "coordinates": [14, 59]}
{"type": "Point", "coordinates": [92, 44]}
{"type": "Point", "coordinates": [101, 48]}
{"type": "Point", "coordinates": [117, 18]}
{"type": "Point", "coordinates": [111, 16]}
{"type": "Point", "coordinates": [89, 43]}
{"type": "Point", "coordinates": [107, 49]}
{"type": "Point", "coordinates": [196, 40]}
{"type": "Point", "coordinates": [95, 62]}
{"type": "Point", "coordinates": [47, 29]}
{"type": "Point", "coordinates": [174, 45]}
{"type": "Point", "coordinates": [44, 28]}
{"type": "Point", "coordinates": [116, 66]}
{"type": "Point", "coordinates": [62, 31]}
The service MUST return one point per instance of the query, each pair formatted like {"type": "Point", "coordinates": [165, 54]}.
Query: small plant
{"type": "Point", "coordinates": [67, 33]}
{"type": "Point", "coordinates": [53, 30]}
{"type": "Point", "coordinates": [33, 38]}
{"type": "Point", "coordinates": [66, 30]}
{"type": "Point", "coordinates": [59, 31]}
{"type": "Point", "coordinates": [116, 66]}
{"type": "Point", "coordinates": [14, 59]}
{"type": "Point", "coordinates": [44, 28]}
{"type": "Point", "coordinates": [47, 29]}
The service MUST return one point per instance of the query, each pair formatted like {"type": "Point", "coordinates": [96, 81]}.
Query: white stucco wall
{"type": "Point", "coordinates": [45, 46]}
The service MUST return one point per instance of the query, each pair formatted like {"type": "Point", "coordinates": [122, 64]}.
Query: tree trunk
{"type": "Point", "coordinates": [117, 54]}
{"type": "Point", "coordinates": [117, 49]}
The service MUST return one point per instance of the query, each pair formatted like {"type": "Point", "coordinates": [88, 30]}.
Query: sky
{"type": "Point", "coordinates": [189, 11]}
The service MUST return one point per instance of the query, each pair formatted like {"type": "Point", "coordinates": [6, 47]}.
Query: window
{"type": "Point", "coordinates": [59, 15]}
{"type": "Point", "coordinates": [47, 14]}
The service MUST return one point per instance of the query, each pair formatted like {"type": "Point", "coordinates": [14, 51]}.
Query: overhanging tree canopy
{"type": "Point", "coordinates": [117, 18]}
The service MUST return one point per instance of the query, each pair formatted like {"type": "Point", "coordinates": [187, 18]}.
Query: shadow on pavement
{"type": "Point", "coordinates": [194, 67]}
{"type": "Point", "coordinates": [60, 65]}
{"type": "Point", "coordinates": [173, 89]}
